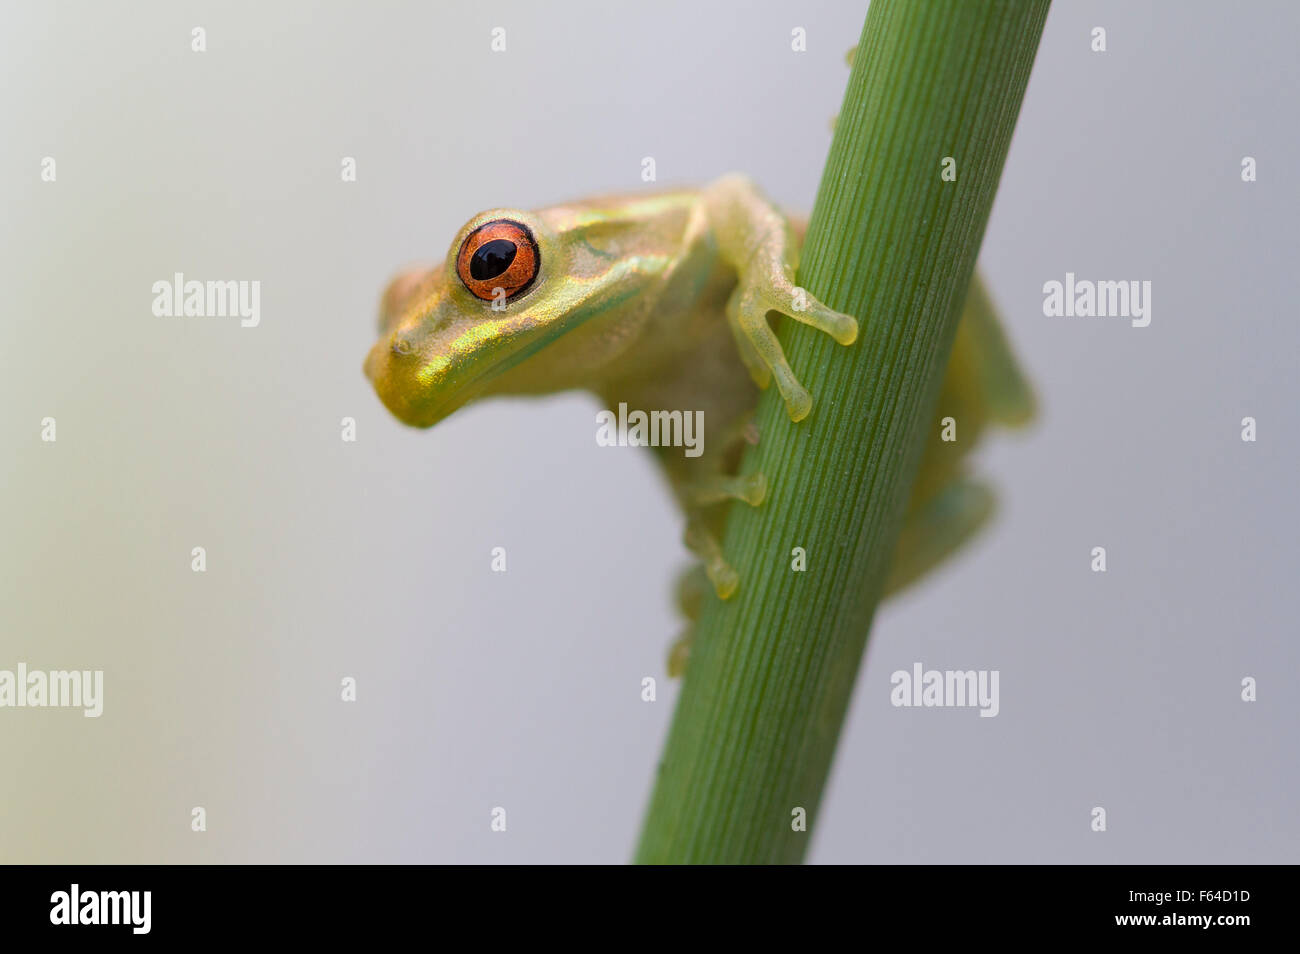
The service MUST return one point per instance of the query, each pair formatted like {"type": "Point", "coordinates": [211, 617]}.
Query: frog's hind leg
{"type": "Point", "coordinates": [983, 385]}
{"type": "Point", "coordinates": [937, 528]}
{"type": "Point", "coordinates": [692, 587]}
{"type": "Point", "coordinates": [703, 496]}
{"type": "Point", "coordinates": [719, 488]}
{"type": "Point", "coordinates": [689, 592]}
{"type": "Point", "coordinates": [701, 540]}
{"type": "Point", "coordinates": [714, 571]}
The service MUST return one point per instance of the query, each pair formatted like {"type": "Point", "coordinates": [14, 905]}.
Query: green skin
{"type": "Point", "coordinates": [662, 302]}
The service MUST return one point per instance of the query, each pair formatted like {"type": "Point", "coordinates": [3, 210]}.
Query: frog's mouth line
{"type": "Point", "coordinates": [413, 392]}
{"type": "Point", "coordinates": [416, 396]}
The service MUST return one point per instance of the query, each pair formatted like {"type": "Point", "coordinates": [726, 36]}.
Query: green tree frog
{"type": "Point", "coordinates": [662, 301]}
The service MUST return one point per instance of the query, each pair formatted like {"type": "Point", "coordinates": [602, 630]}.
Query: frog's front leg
{"type": "Point", "coordinates": [757, 241]}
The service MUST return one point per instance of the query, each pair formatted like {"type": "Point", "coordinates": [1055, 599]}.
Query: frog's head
{"type": "Point", "coordinates": [512, 284]}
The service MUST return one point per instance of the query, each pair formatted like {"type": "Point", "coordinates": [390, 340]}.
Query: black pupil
{"type": "Point", "coordinates": [491, 259]}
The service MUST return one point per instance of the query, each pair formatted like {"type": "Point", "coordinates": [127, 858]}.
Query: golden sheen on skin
{"type": "Point", "coordinates": [662, 301]}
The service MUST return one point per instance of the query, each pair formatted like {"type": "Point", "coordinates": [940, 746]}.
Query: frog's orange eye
{"type": "Point", "coordinates": [498, 254]}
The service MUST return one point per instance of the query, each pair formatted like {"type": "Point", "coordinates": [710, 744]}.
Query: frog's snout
{"type": "Point", "coordinates": [394, 368]}
{"type": "Point", "coordinates": [393, 364]}
{"type": "Point", "coordinates": [404, 288]}
{"type": "Point", "coordinates": [416, 368]}
{"type": "Point", "coordinates": [374, 363]}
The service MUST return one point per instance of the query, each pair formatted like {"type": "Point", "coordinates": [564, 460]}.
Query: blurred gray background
{"type": "Point", "coordinates": [371, 559]}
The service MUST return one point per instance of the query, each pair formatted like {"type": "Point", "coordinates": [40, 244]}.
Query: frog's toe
{"type": "Point", "coordinates": [807, 310]}
{"type": "Point", "coordinates": [705, 545]}
{"type": "Point", "coordinates": [724, 578]}
{"type": "Point", "coordinates": [759, 370]}
{"type": "Point", "coordinates": [680, 653]}
{"type": "Point", "coordinates": [751, 317]}
{"type": "Point", "coordinates": [748, 309]}
{"type": "Point", "coordinates": [750, 488]}
{"type": "Point", "coordinates": [692, 585]}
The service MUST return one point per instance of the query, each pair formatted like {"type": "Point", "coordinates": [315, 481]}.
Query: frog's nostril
{"type": "Point", "coordinates": [402, 346]}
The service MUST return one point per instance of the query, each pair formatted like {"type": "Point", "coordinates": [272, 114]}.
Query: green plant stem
{"type": "Point", "coordinates": [891, 242]}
